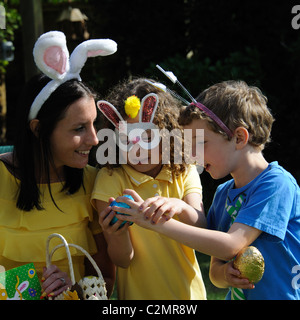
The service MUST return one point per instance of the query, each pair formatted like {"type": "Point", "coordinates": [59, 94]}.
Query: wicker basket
{"type": "Point", "coordinates": [93, 287]}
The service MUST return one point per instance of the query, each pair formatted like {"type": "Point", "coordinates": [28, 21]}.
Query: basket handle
{"type": "Point", "coordinates": [64, 244]}
{"type": "Point", "coordinates": [67, 245]}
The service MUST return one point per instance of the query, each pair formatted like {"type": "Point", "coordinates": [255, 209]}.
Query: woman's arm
{"type": "Point", "coordinates": [103, 261]}
{"type": "Point", "coordinates": [119, 245]}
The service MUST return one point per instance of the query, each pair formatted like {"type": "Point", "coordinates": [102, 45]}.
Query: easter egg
{"type": "Point", "coordinates": [122, 205]}
{"type": "Point", "coordinates": [250, 262]}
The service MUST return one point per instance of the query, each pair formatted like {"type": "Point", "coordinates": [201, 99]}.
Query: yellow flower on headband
{"type": "Point", "coordinates": [132, 106]}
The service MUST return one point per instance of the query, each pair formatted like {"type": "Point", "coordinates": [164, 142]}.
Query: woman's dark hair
{"type": "Point", "coordinates": [32, 153]}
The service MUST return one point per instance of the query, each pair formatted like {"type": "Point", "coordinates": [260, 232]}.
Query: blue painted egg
{"type": "Point", "coordinates": [122, 205]}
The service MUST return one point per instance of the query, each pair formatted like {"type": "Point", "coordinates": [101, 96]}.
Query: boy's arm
{"type": "Point", "coordinates": [119, 245]}
{"type": "Point", "coordinates": [222, 245]}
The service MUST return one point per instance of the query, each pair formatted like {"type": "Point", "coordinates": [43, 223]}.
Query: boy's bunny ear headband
{"type": "Point", "coordinates": [51, 56]}
{"type": "Point", "coordinates": [128, 134]}
{"type": "Point", "coordinates": [194, 102]}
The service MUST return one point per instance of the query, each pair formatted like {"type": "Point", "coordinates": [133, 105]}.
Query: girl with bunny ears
{"type": "Point", "coordinates": [46, 181]}
{"type": "Point", "coordinates": [149, 266]}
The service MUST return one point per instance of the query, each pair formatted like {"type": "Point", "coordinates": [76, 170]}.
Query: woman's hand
{"type": "Point", "coordinates": [54, 281]}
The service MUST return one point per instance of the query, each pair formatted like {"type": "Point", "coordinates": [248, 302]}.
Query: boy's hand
{"type": "Point", "coordinates": [231, 276]}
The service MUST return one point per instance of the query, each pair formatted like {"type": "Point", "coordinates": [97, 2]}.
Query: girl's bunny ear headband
{"type": "Point", "coordinates": [194, 102]}
{"type": "Point", "coordinates": [51, 56]}
{"type": "Point", "coordinates": [128, 134]}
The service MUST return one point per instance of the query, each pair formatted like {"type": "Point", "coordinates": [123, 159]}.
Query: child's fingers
{"type": "Point", "coordinates": [242, 283]}
{"type": "Point", "coordinates": [122, 218]}
{"type": "Point", "coordinates": [167, 211]}
{"type": "Point", "coordinates": [234, 278]}
{"type": "Point", "coordinates": [233, 271]}
{"type": "Point", "coordinates": [147, 203]}
{"type": "Point", "coordinates": [103, 215]}
{"type": "Point", "coordinates": [105, 223]}
{"type": "Point", "coordinates": [110, 200]}
{"type": "Point", "coordinates": [154, 208]}
{"type": "Point", "coordinates": [116, 227]}
{"type": "Point", "coordinates": [134, 195]}
{"type": "Point", "coordinates": [128, 201]}
{"type": "Point", "coordinates": [122, 210]}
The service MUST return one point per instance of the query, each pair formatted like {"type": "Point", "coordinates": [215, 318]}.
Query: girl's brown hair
{"type": "Point", "coordinates": [166, 115]}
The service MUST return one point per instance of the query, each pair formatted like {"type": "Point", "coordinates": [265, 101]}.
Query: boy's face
{"type": "Point", "coordinates": [219, 153]}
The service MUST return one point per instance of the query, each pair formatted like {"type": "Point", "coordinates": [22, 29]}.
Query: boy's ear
{"type": "Point", "coordinates": [35, 126]}
{"type": "Point", "coordinates": [241, 136]}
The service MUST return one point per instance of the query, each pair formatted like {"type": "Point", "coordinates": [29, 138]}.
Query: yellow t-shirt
{"type": "Point", "coordinates": [161, 268]}
{"type": "Point", "coordinates": [23, 234]}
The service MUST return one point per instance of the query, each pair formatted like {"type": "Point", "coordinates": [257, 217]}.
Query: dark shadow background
{"type": "Point", "coordinates": [202, 42]}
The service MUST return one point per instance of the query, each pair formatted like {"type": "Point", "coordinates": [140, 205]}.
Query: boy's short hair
{"type": "Point", "coordinates": [237, 105]}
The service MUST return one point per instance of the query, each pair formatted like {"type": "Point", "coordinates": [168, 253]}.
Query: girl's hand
{"type": "Point", "coordinates": [231, 276]}
{"type": "Point", "coordinates": [133, 214]}
{"type": "Point", "coordinates": [156, 208]}
{"type": "Point", "coordinates": [106, 216]}
{"type": "Point", "coordinates": [54, 281]}
{"type": "Point", "coordinates": [149, 212]}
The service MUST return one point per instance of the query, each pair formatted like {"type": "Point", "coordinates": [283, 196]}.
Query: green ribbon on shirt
{"type": "Point", "coordinates": [233, 210]}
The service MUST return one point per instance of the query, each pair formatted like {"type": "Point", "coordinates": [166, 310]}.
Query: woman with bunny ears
{"type": "Point", "coordinates": [46, 181]}
{"type": "Point", "coordinates": [149, 266]}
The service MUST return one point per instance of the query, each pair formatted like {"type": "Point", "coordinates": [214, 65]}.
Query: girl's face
{"type": "Point", "coordinates": [219, 153]}
{"type": "Point", "coordinates": [75, 135]}
{"type": "Point", "coordinates": [142, 160]}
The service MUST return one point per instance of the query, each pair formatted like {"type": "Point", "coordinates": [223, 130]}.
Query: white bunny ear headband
{"type": "Point", "coordinates": [129, 134]}
{"type": "Point", "coordinates": [51, 56]}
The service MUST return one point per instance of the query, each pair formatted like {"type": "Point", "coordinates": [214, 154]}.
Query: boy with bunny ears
{"type": "Point", "coordinates": [149, 266]}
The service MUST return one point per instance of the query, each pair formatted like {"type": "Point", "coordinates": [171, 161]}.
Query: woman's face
{"type": "Point", "coordinates": [75, 135]}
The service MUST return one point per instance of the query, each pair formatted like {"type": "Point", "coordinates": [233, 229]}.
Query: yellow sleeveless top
{"type": "Point", "coordinates": [23, 234]}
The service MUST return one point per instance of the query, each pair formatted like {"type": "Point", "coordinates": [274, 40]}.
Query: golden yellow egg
{"type": "Point", "coordinates": [250, 262]}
